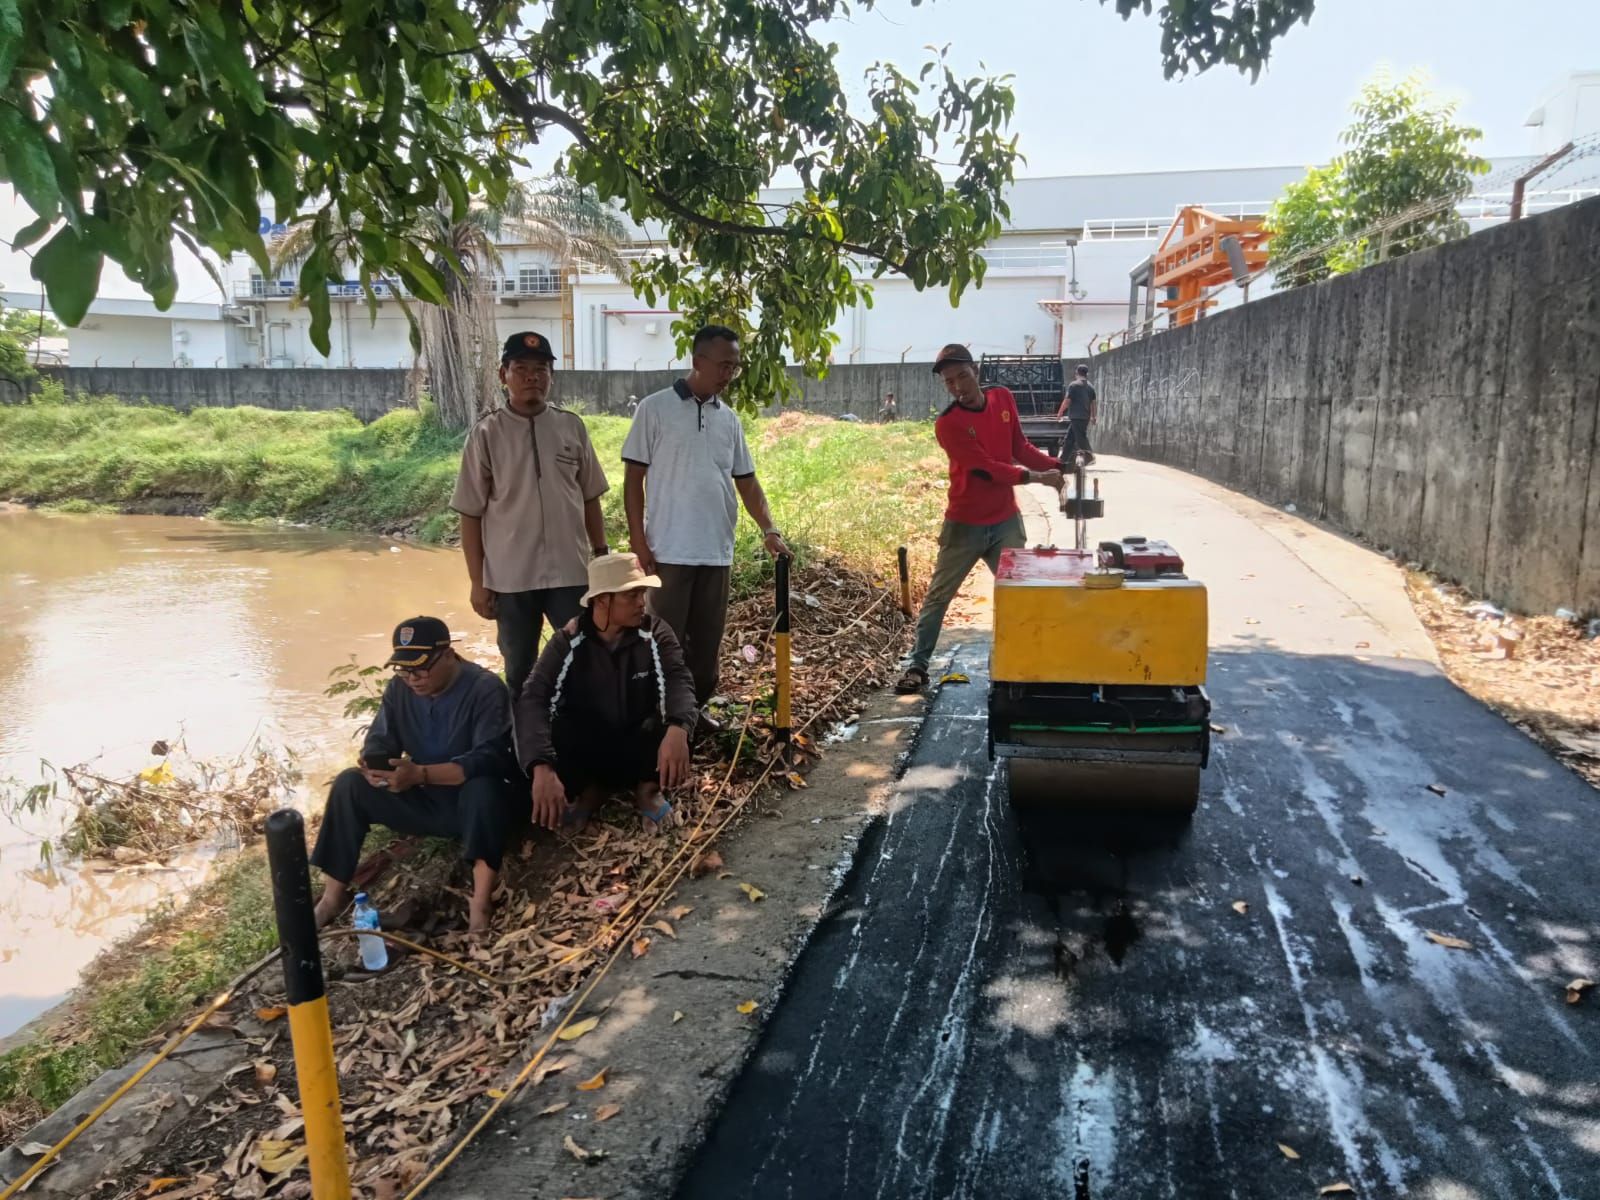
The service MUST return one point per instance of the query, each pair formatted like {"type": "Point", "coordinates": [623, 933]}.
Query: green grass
{"type": "Point", "coordinates": [858, 490]}
{"type": "Point", "coordinates": [132, 994]}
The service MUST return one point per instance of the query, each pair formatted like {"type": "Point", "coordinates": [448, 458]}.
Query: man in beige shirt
{"type": "Point", "coordinates": [529, 498]}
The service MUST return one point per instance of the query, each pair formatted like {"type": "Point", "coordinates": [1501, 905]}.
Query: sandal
{"type": "Point", "coordinates": [656, 818]}
{"type": "Point", "coordinates": [912, 682]}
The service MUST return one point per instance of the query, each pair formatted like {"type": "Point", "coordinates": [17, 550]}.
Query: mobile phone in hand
{"type": "Point", "coordinates": [377, 762]}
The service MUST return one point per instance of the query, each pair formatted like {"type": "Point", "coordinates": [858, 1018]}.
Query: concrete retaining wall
{"type": "Point", "coordinates": [1445, 404]}
{"type": "Point", "coordinates": [369, 394]}
{"type": "Point", "coordinates": [366, 393]}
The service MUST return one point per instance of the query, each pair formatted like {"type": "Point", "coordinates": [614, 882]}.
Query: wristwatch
{"type": "Point", "coordinates": [766, 533]}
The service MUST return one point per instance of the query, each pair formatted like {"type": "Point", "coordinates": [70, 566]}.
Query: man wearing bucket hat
{"type": "Point", "coordinates": [610, 705]}
{"type": "Point", "coordinates": [982, 435]}
{"type": "Point", "coordinates": [529, 498]}
{"type": "Point", "coordinates": [436, 761]}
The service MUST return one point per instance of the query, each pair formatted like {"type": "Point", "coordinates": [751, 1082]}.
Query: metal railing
{"type": "Point", "coordinates": [286, 289]}
{"type": "Point", "coordinates": [1496, 206]}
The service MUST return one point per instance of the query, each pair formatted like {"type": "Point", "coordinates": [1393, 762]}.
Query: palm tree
{"type": "Point", "coordinates": [556, 217]}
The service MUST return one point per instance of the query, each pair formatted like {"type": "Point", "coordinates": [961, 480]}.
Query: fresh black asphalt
{"type": "Point", "coordinates": [1045, 1008]}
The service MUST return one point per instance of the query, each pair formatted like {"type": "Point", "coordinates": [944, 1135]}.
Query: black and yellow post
{"type": "Point", "coordinates": [309, 1028]}
{"type": "Point", "coordinates": [784, 716]}
{"type": "Point", "coordinates": [905, 582]}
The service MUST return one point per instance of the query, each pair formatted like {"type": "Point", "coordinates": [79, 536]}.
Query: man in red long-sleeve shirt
{"type": "Point", "coordinates": [983, 437]}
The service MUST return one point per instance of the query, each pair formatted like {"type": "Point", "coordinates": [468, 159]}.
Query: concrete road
{"type": "Point", "coordinates": [1004, 1011]}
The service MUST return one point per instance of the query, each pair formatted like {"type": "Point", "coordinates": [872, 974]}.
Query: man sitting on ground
{"type": "Point", "coordinates": [609, 707]}
{"type": "Point", "coordinates": [437, 762]}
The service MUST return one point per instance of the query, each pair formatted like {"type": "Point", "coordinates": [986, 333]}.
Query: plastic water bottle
{"type": "Point", "coordinates": [374, 954]}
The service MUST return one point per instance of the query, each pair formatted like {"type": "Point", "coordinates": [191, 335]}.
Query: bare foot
{"type": "Point", "coordinates": [478, 921]}
{"type": "Point", "coordinates": [328, 907]}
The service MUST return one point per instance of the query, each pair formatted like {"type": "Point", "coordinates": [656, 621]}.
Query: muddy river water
{"type": "Point", "coordinates": [118, 631]}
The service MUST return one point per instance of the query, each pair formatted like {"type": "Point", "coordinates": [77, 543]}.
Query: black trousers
{"type": "Point", "coordinates": [611, 759]}
{"type": "Point", "coordinates": [1077, 439]}
{"type": "Point", "coordinates": [479, 813]}
{"type": "Point", "coordinates": [519, 617]}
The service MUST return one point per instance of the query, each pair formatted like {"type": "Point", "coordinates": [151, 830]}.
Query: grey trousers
{"type": "Point", "coordinates": [519, 617]}
{"type": "Point", "coordinates": [694, 602]}
{"type": "Point", "coordinates": [960, 548]}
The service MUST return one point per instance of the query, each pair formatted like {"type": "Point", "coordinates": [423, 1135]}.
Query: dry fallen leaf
{"type": "Point", "coordinates": [606, 1111]}
{"type": "Point", "coordinates": [1219, 730]}
{"type": "Point", "coordinates": [279, 1158]}
{"type": "Point", "coordinates": [663, 927]}
{"type": "Point", "coordinates": [1577, 988]}
{"type": "Point", "coordinates": [595, 1084]}
{"type": "Point", "coordinates": [680, 911]}
{"type": "Point", "coordinates": [265, 1072]}
{"type": "Point", "coordinates": [1438, 789]}
{"type": "Point", "coordinates": [579, 1153]}
{"type": "Point", "coordinates": [676, 1017]}
{"type": "Point", "coordinates": [796, 780]}
{"type": "Point", "coordinates": [706, 863]}
{"type": "Point", "coordinates": [573, 1032]}
{"type": "Point", "coordinates": [1288, 1151]}
{"type": "Point", "coordinates": [751, 890]}
{"type": "Point", "coordinates": [1337, 1189]}
{"type": "Point", "coordinates": [954, 677]}
{"type": "Point", "coordinates": [1445, 940]}
{"type": "Point", "coordinates": [270, 1014]}
{"type": "Point", "coordinates": [748, 1007]}
{"type": "Point", "coordinates": [497, 1093]}
{"type": "Point", "coordinates": [554, 1108]}
{"type": "Point", "coordinates": [1241, 907]}
{"type": "Point", "coordinates": [32, 1149]}
{"type": "Point", "coordinates": [640, 947]}
{"type": "Point", "coordinates": [162, 1184]}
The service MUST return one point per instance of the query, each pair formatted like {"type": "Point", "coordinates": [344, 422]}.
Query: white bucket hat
{"type": "Point", "coordinates": [616, 573]}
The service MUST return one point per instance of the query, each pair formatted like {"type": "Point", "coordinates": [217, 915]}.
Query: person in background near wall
{"type": "Point", "coordinates": [889, 411]}
{"type": "Point", "coordinates": [691, 447]}
{"type": "Point", "coordinates": [982, 435]}
{"type": "Point", "coordinates": [1077, 409]}
{"type": "Point", "coordinates": [529, 498]}
{"type": "Point", "coordinates": [609, 707]}
{"type": "Point", "coordinates": [437, 762]}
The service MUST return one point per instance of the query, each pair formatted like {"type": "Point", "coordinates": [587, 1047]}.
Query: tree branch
{"type": "Point", "coordinates": [534, 113]}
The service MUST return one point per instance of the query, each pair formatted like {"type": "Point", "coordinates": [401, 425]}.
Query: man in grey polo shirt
{"type": "Point", "coordinates": [529, 498]}
{"type": "Point", "coordinates": [692, 448]}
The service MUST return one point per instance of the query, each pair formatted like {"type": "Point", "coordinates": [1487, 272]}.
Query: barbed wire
{"type": "Point", "coordinates": [1583, 148]}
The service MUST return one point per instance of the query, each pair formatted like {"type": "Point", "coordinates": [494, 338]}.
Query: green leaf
{"type": "Point", "coordinates": [27, 162]}
{"type": "Point", "coordinates": [69, 267]}
{"type": "Point", "coordinates": [11, 39]}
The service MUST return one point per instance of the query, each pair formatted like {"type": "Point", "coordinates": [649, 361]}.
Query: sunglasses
{"type": "Point", "coordinates": [419, 670]}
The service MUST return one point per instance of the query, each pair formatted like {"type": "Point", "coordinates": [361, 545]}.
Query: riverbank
{"type": "Point", "coordinates": [845, 493]}
{"type": "Point", "coordinates": [851, 488]}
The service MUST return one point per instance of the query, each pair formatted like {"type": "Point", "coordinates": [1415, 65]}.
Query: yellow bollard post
{"type": "Point", "coordinates": [784, 717]}
{"type": "Point", "coordinates": [309, 1028]}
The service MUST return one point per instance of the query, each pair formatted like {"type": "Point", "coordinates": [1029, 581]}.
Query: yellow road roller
{"type": "Point", "coordinates": [1097, 672]}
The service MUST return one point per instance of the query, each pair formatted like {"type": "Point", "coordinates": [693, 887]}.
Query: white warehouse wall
{"type": "Point", "coordinates": [118, 341]}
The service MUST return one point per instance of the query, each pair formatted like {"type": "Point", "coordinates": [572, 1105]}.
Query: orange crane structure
{"type": "Point", "coordinates": [1193, 256]}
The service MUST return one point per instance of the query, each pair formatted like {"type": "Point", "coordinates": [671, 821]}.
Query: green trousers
{"type": "Point", "coordinates": [960, 548]}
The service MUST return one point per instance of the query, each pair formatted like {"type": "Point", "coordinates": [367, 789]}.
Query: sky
{"type": "Point", "coordinates": [1091, 98]}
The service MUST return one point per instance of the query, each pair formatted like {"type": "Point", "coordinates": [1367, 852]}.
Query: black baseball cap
{"type": "Point", "coordinates": [955, 352]}
{"type": "Point", "coordinates": [527, 345]}
{"type": "Point", "coordinates": [418, 640]}
{"type": "Point", "coordinates": [1083, 368]}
